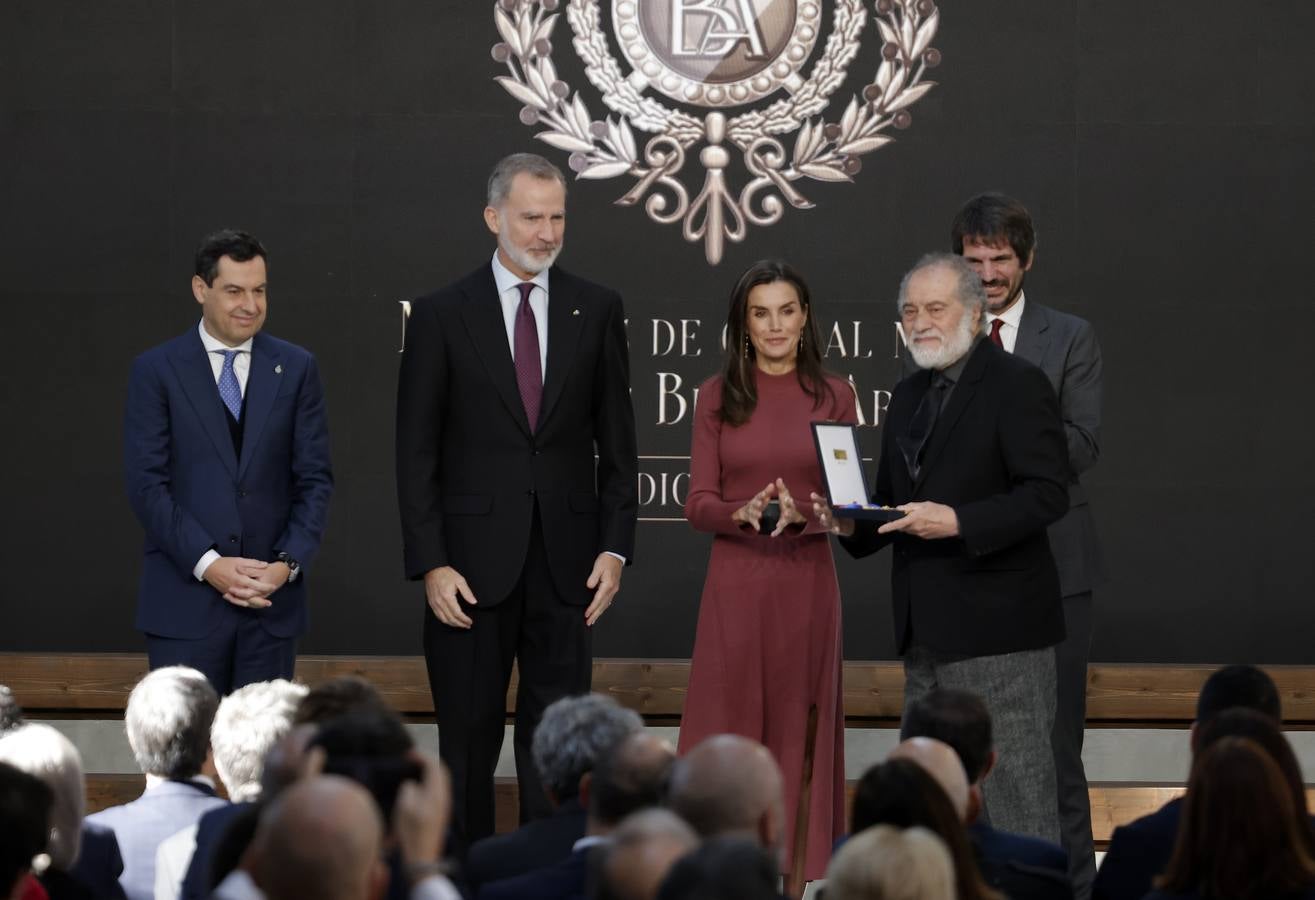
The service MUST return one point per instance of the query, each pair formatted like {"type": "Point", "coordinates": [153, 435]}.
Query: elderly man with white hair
{"type": "Point", "coordinates": [84, 859]}
{"type": "Point", "coordinates": [250, 721]}
{"type": "Point", "coordinates": [168, 724]}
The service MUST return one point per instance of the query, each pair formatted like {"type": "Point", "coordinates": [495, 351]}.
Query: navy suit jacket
{"type": "Point", "coordinates": [141, 825]}
{"type": "Point", "coordinates": [533, 846]}
{"type": "Point", "coordinates": [192, 492]}
{"type": "Point", "coordinates": [99, 863]}
{"type": "Point", "coordinates": [565, 880]}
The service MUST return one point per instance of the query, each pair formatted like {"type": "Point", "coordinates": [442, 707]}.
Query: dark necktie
{"type": "Point", "coordinates": [229, 389]}
{"type": "Point", "coordinates": [995, 333]}
{"type": "Point", "coordinates": [914, 444]}
{"type": "Point", "coordinates": [529, 370]}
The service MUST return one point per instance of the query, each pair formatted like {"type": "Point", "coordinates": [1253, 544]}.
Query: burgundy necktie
{"type": "Point", "coordinates": [529, 370]}
{"type": "Point", "coordinates": [995, 333]}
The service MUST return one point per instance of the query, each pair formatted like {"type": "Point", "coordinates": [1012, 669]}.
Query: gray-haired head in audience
{"type": "Point", "coordinates": [887, 863]}
{"type": "Point", "coordinates": [250, 721]}
{"type": "Point", "coordinates": [168, 721]}
{"type": "Point", "coordinates": [11, 714]}
{"type": "Point", "coordinates": [43, 752]}
{"type": "Point", "coordinates": [573, 736]}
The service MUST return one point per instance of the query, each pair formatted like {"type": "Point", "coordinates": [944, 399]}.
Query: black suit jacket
{"type": "Point", "coordinates": [567, 879]}
{"type": "Point", "coordinates": [469, 468]}
{"type": "Point", "coordinates": [997, 456]}
{"type": "Point", "coordinates": [1138, 852]}
{"type": "Point", "coordinates": [534, 845]}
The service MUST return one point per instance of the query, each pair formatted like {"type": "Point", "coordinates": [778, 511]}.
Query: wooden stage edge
{"type": "Point", "coordinates": [94, 685]}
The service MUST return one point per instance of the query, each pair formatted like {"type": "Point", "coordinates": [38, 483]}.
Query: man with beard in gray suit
{"type": "Point", "coordinates": [995, 235]}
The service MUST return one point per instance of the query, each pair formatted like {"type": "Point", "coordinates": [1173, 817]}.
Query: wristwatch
{"type": "Point", "coordinates": [294, 567]}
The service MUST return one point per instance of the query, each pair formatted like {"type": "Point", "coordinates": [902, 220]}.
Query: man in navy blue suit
{"type": "Point", "coordinates": [226, 456]}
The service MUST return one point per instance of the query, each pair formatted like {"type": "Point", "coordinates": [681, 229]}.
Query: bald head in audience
{"type": "Point", "coordinates": [730, 785]}
{"type": "Point", "coordinates": [320, 840]}
{"type": "Point", "coordinates": [644, 848]}
{"type": "Point", "coordinates": [939, 761]}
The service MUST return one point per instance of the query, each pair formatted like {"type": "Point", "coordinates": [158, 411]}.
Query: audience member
{"type": "Point", "coordinates": [730, 786]}
{"type": "Point", "coordinates": [1015, 879]}
{"type": "Point", "coordinates": [644, 847]}
{"type": "Point", "coordinates": [901, 793]}
{"type": "Point", "coordinates": [573, 735]}
{"type": "Point", "coordinates": [725, 868]}
{"type": "Point", "coordinates": [961, 720]}
{"type": "Point", "coordinates": [1141, 849]}
{"type": "Point", "coordinates": [247, 725]}
{"type": "Point", "coordinates": [887, 863]}
{"type": "Point", "coordinates": [168, 724]}
{"type": "Point", "coordinates": [84, 859]}
{"type": "Point", "coordinates": [630, 777]}
{"type": "Point", "coordinates": [24, 828]}
{"type": "Point", "coordinates": [322, 839]}
{"type": "Point", "coordinates": [1241, 837]}
{"type": "Point", "coordinates": [336, 697]}
{"type": "Point", "coordinates": [11, 714]}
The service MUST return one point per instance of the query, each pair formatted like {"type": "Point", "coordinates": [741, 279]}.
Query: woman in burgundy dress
{"type": "Point", "coordinates": [768, 648]}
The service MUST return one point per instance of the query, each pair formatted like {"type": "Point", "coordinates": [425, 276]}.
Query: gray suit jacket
{"type": "Point", "coordinates": [141, 825]}
{"type": "Point", "coordinates": [1065, 348]}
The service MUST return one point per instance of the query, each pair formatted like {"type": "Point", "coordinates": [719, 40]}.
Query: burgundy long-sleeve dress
{"type": "Point", "coordinates": [768, 645]}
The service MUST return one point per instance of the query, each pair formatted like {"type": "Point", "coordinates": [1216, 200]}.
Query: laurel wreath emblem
{"type": "Point", "coordinates": [823, 150]}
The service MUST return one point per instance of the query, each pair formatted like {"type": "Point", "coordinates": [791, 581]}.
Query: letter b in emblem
{"type": "Point", "coordinates": [712, 28]}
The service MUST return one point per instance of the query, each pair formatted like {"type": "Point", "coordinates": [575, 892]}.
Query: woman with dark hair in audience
{"type": "Point", "coordinates": [1241, 835]}
{"type": "Point", "coordinates": [767, 652]}
{"type": "Point", "coordinates": [900, 793]}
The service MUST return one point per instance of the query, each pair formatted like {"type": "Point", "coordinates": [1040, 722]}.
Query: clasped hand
{"type": "Point", "coordinates": [751, 513]}
{"type": "Point", "coordinates": [246, 582]}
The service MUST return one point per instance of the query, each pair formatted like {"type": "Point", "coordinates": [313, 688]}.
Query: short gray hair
{"type": "Point", "coordinates": [574, 735]}
{"type": "Point", "coordinates": [885, 863]}
{"type": "Point", "coordinates": [968, 288]}
{"type": "Point", "coordinates": [11, 714]}
{"type": "Point", "coordinates": [168, 721]}
{"type": "Point", "coordinates": [250, 721]}
{"type": "Point", "coordinates": [43, 752]}
{"type": "Point", "coordinates": [510, 166]}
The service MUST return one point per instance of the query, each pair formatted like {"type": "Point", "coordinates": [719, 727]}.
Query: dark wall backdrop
{"type": "Point", "coordinates": [1164, 148]}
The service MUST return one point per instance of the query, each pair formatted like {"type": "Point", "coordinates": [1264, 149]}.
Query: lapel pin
{"type": "Point", "coordinates": [278, 370]}
{"type": "Point", "coordinates": [575, 312]}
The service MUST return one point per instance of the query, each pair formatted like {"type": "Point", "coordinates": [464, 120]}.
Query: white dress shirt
{"type": "Point", "coordinates": [214, 349]}
{"type": "Point", "coordinates": [510, 296]}
{"type": "Point", "coordinates": [1009, 323]}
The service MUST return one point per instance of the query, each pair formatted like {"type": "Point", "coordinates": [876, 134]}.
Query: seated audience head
{"type": "Point", "coordinates": [1233, 686]}
{"type": "Point", "coordinates": [322, 839]}
{"type": "Point", "coordinates": [1240, 722]}
{"type": "Point", "coordinates": [644, 847]}
{"type": "Point", "coordinates": [887, 863]}
{"type": "Point", "coordinates": [336, 697]}
{"type": "Point", "coordinates": [1240, 835]}
{"type": "Point", "coordinates": [959, 719]}
{"type": "Point", "coordinates": [168, 722]}
{"type": "Point", "coordinates": [250, 721]}
{"type": "Point", "coordinates": [725, 868]}
{"type": "Point", "coordinates": [24, 826]}
{"type": "Point", "coordinates": [901, 793]}
{"type": "Point", "coordinates": [11, 714]}
{"type": "Point", "coordinates": [574, 733]}
{"type": "Point", "coordinates": [940, 762]}
{"type": "Point", "coordinates": [631, 776]}
{"type": "Point", "coordinates": [730, 785]}
{"type": "Point", "coordinates": [372, 748]}
{"type": "Point", "coordinates": [44, 753]}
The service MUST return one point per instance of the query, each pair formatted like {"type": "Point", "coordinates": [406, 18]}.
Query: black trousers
{"type": "Point", "coordinates": [469, 671]}
{"type": "Point", "coordinates": [1066, 740]}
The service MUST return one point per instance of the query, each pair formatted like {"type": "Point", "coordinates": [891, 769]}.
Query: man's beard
{"type": "Point", "coordinates": [952, 347]}
{"type": "Point", "coordinates": [527, 262]}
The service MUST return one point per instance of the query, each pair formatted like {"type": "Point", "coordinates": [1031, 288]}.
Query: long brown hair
{"type": "Point", "coordinates": [739, 396]}
{"type": "Point", "coordinates": [899, 792]}
{"type": "Point", "coordinates": [1240, 833]}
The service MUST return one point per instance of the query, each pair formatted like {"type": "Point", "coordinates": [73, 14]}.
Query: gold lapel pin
{"type": "Point", "coordinates": [575, 312]}
{"type": "Point", "coordinates": [278, 370]}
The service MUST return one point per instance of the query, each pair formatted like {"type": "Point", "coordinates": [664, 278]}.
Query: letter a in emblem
{"type": "Point", "coordinates": [727, 22]}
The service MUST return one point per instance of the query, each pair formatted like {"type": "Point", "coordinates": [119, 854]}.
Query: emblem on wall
{"type": "Point", "coordinates": [701, 80]}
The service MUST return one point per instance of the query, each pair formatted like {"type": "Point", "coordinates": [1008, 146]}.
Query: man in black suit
{"type": "Point", "coordinates": [512, 380]}
{"type": "Point", "coordinates": [973, 454]}
{"type": "Point", "coordinates": [994, 233]}
{"type": "Point", "coordinates": [1141, 849]}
